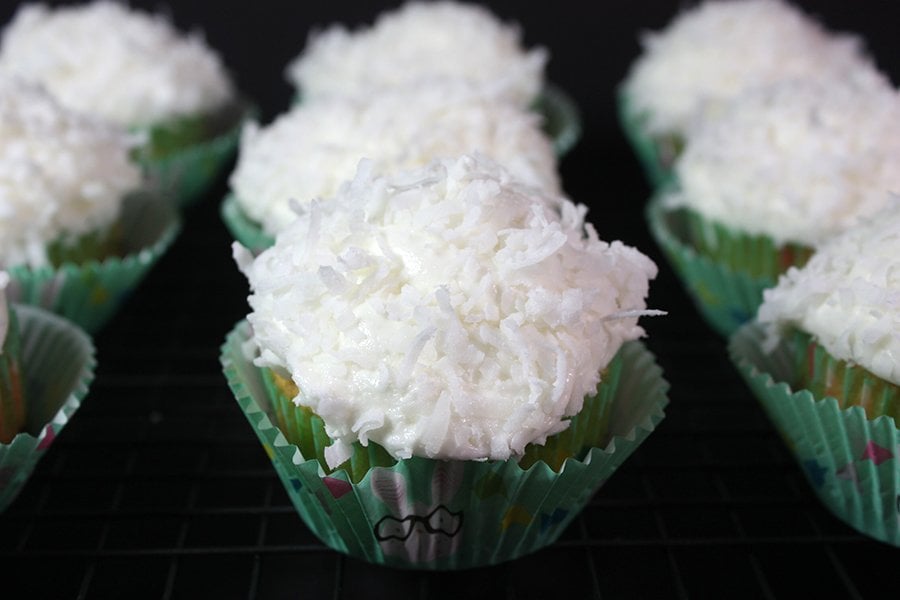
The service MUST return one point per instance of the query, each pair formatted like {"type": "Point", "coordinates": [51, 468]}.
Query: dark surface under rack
{"type": "Point", "coordinates": [159, 489]}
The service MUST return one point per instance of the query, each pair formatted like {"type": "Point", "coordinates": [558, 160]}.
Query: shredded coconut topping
{"type": "Point", "coordinates": [416, 45]}
{"type": "Point", "coordinates": [62, 174]}
{"type": "Point", "coordinates": [308, 152]}
{"type": "Point", "coordinates": [127, 66]}
{"type": "Point", "coordinates": [797, 161]}
{"type": "Point", "coordinates": [848, 296]}
{"type": "Point", "coordinates": [446, 312]}
{"type": "Point", "coordinates": [718, 50]}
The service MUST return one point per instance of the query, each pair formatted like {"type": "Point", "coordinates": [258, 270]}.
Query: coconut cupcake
{"type": "Point", "coordinates": [424, 44]}
{"type": "Point", "coordinates": [73, 214]}
{"type": "Point", "coordinates": [779, 171]}
{"type": "Point", "coordinates": [714, 52]}
{"type": "Point", "coordinates": [306, 153]}
{"type": "Point", "coordinates": [424, 334]}
{"type": "Point", "coordinates": [136, 70]}
{"type": "Point", "coordinates": [823, 361]}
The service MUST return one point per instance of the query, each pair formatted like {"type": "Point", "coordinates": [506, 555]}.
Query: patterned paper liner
{"type": "Point", "coordinates": [185, 174]}
{"type": "Point", "coordinates": [12, 398]}
{"type": "Point", "coordinates": [58, 366]}
{"type": "Point", "coordinates": [851, 462]}
{"type": "Point", "coordinates": [727, 298]}
{"type": "Point", "coordinates": [248, 232]}
{"type": "Point", "coordinates": [850, 384]}
{"type": "Point", "coordinates": [655, 156]}
{"type": "Point", "coordinates": [90, 293]}
{"type": "Point", "coordinates": [431, 514]}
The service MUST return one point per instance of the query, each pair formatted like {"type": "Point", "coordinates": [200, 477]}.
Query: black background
{"type": "Point", "coordinates": [159, 489]}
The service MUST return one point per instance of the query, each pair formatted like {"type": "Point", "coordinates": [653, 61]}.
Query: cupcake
{"type": "Point", "coordinates": [422, 44]}
{"type": "Point", "coordinates": [55, 368]}
{"type": "Point", "coordinates": [823, 361]}
{"type": "Point", "coordinates": [73, 212]}
{"type": "Point", "coordinates": [422, 363]}
{"type": "Point", "coordinates": [777, 172]}
{"type": "Point", "coordinates": [714, 52]}
{"type": "Point", "coordinates": [12, 400]}
{"type": "Point", "coordinates": [135, 70]}
{"type": "Point", "coordinates": [306, 153]}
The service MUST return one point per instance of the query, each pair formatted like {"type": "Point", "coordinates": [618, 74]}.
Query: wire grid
{"type": "Point", "coordinates": [159, 489]}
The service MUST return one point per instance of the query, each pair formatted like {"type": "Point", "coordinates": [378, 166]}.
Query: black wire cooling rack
{"type": "Point", "coordinates": [159, 489]}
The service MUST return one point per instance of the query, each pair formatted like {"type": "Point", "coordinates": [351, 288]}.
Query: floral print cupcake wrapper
{"type": "Point", "coordinates": [186, 173]}
{"type": "Point", "coordinates": [243, 229]}
{"type": "Point", "coordinates": [725, 297]}
{"type": "Point", "coordinates": [90, 293]}
{"type": "Point", "coordinates": [431, 514]}
{"type": "Point", "coordinates": [12, 398]}
{"type": "Point", "coordinates": [57, 368]}
{"type": "Point", "coordinates": [852, 462]}
{"type": "Point", "coordinates": [655, 156]}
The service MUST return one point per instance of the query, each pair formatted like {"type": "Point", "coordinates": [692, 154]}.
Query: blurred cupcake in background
{"type": "Point", "coordinates": [308, 152]}
{"type": "Point", "coordinates": [714, 52]}
{"type": "Point", "coordinates": [425, 44]}
{"type": "Point", "coordinates": [774, 174]}
{"type": "Point", "coordinates": [71, 201]}
{"type": "Point", "coordinates": [422, 363]}
{"type": "Point", "coordinates": [12, 395]}
{"type": "Point", "coordinates": [823, 361]}
{"type": "Point", "coordinates": [137, 71]}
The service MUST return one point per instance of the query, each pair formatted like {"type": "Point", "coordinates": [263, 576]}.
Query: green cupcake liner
{"type": "Point", "coordinates": [655, 156]}
{"type": "Point", "coordinates": [57, 367]}
{"type": "Point", "coordinates": [431, 514]}
{"type": "Point", "coordinates": [248, 232]}
{"type": "Point", "coordinates": [12, 397]}
{"type": "Point", "coordinates": [851, 462]}
{"type": "Point", "coordinates": [562, 121]}
{"type": "Point", "coordinates": [725, 297]}
{"type": "Point", "coordinates": [184, 167]}
{"type": "Point", "coordinates": [90, 293]}
{"type": "Point", "coordinates": [850, 384]}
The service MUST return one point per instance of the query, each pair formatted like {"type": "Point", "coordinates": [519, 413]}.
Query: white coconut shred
{"type": "Point", "coordinates": [306, 153]}
{"type": "Point", "coordinates": [446, 312]}
{"type": "Point", "coordinates": [105, 59]}
{"type": "Point", "coordinates": [416, 45]}
{"type": "Point", "coordinates": [62, 174]}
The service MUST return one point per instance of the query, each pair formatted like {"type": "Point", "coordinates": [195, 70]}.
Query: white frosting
{"type": "Point", "coordinates": [445, 312]}
{"type": "Point", "coordinates": [797, 161]}
{"type": "Point", "coordinates": [848, 296]}
{"type": "Point", "coordinates": [306, 153]}
{"type": "Point", "coordinates": [416, 45]}
{"type": "Point", "coordinates": [62, 174]}
{"type": "Point", "coordinates": [104, 59]}
{"type": "Point", "coordinates": [717, 50]}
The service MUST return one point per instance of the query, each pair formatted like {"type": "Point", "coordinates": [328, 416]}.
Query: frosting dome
{"type": "Point", "coordinates": [848, 296]}
{"type": "Point", "coordinates": [717, 50]}
{"type": "Point", "coordinates": [415, 45]}
{"type": "Point", "coordinates": [446, 312]}
{"type": "Point", "coordinates": [308, 152]}
{"type": "Point", "coordinates": [797, 161]}
{"type": "Point", "coordinates": [62, 174]}
{"type": "Point", "coordinates": [104, 59]}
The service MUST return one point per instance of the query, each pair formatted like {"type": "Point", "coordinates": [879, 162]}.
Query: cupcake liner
{"type": "Point", "coordinates": [562, 122]}
{"type": "Point", "coordinates": [12, 399]}
{"type": "Point", "coordinates": [90, 293]}
{"type": "Point", "coordinates": [656, 157]}
{"type": "Point", "coordinates": [57, 368]}
{"type": "Point", "coordinates": [725, 297]}
{"type": "Point", "coordinates": [248, 232]}
{"type": "Point", "coordinates": [431, 514]}
{"type": "Point", "coordinates": [851, 462]}
{"type": "Point", "coordinates": [186, 173]}
{"type": "Point", "coordinates": [850, 384]}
